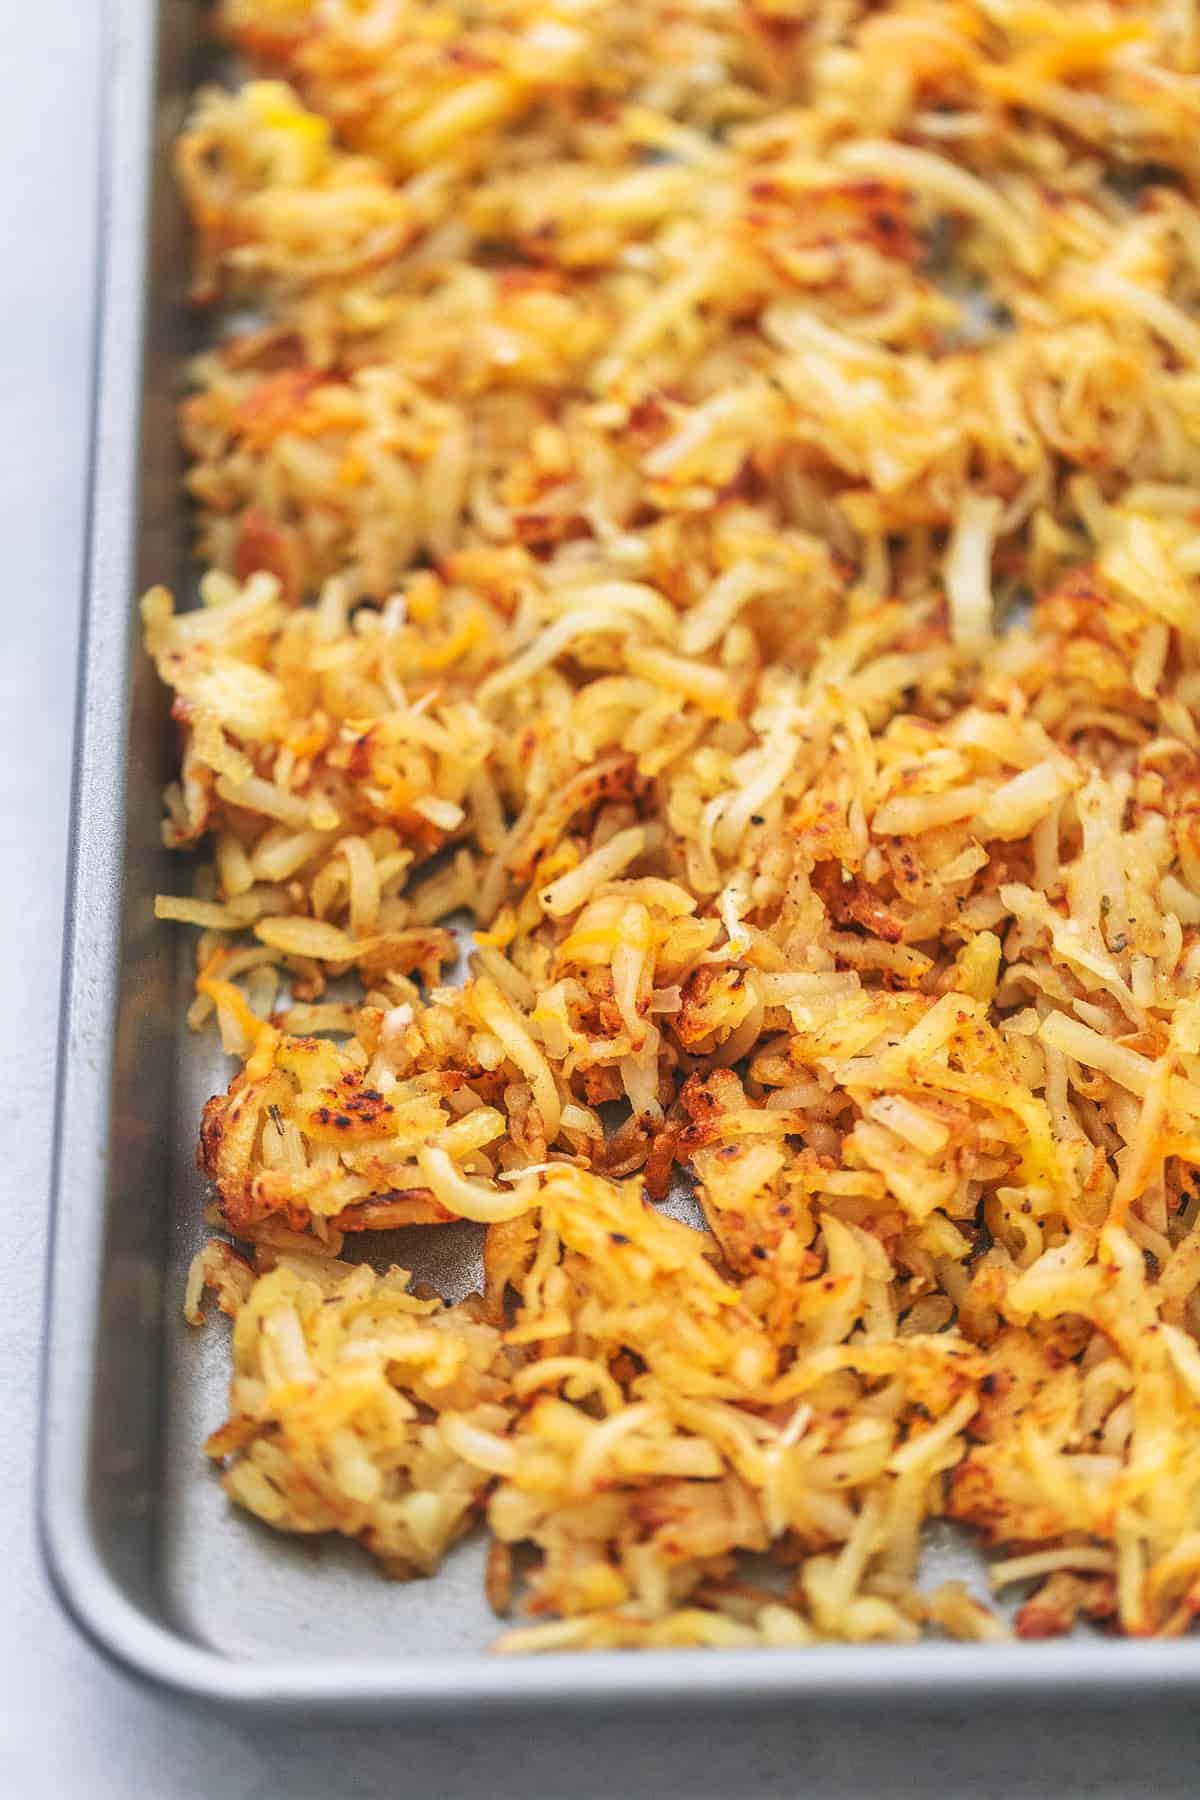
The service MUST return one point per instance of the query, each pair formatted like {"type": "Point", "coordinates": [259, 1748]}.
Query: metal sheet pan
{"type": "Point", "coordinates": [141, 1545]}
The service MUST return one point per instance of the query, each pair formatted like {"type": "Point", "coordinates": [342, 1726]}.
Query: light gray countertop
{"type": "Point", "coordinates": [69, 1726]}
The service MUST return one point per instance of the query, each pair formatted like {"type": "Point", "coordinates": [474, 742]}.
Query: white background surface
{"type": "Point", "coordinates": [69, 1727]}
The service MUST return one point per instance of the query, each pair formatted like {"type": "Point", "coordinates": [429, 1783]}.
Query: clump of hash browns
{"type": "Point", "coordinates": [711, 491]}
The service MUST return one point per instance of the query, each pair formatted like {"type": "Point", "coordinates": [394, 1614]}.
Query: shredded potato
{"type": "Point", "coordinates": [710, 494]}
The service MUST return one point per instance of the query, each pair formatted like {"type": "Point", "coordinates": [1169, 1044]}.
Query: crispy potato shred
{"type": "Point", "coordinates": [708, 494]}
